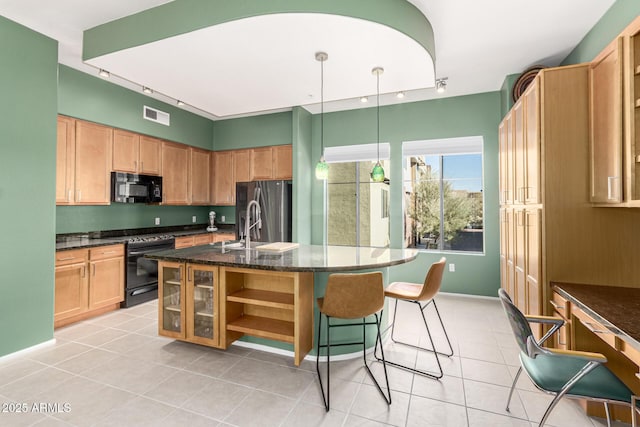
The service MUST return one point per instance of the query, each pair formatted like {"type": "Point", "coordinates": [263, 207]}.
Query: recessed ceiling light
{"type": "Point", "coordinates": [180, 103]}
{"type": "Point", "coordinates": [147, 90]}
{"type": "Point", "coordinates": [441, 85]}
{"type": "Point", "coordinates": [364, 99]}
{"type": "Point", "coordinates": [400, 95]}
{"type": "Point", "coordinates": [104, 73]}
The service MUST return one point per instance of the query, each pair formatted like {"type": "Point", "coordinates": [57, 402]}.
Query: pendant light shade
{"type": "Point", "coordinates": [322, 168]}
{"type": "Point", "coordinates": [377, 173]}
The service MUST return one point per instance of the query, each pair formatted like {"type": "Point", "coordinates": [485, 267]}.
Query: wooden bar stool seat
{"type": "Point", "coordinates": [351, 296]}
{"type": "Point", "coordinates": [422, 295]}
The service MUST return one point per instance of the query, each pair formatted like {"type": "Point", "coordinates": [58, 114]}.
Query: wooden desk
{"type": "Point", "coordinates": [604, 319]}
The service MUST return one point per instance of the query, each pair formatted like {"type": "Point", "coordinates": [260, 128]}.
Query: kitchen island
{"type": "Point", "coordinates": [215, 294]}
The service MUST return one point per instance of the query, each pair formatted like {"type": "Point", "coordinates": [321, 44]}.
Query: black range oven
{"type": "Point", "coordinates": [141, 282]}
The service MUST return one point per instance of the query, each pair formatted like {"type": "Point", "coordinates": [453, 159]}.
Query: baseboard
{"type": "Point", "coordinates": [27, 350]}
{"type": "Point", "coordinates": [484, 297]}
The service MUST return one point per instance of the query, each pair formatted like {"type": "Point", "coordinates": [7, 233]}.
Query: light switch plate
{"type": "Point", "coordinates": [452, 267]}
{"type": "Point", "coordinates": [222, 218]}
{"type": "Point", "coordinates": [157, 221]}
{"type": "Point", "coordinates": [193, 218]}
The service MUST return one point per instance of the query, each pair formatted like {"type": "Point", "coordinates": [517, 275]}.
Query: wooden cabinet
{"type": "Point", "coordinates": [271, 163]}
{"type": "Point", "coordinates": [199, 177]}
{"type": "Point", "coordinates": [93, 163]}
{"type": "Point", "coordinates": [135, 153]}
{"type": "Point", "coordinates": [175, 174]}
{"type": "Point", "coordinates": [65, 161]}
{"type": "Point", "coordinates": [241, 166]}
{"type": "Point", "coordinates": [188, 303]}
{"type": "Point", "coordinates": [539, 225]}
{"type": "Point", "coordinates": [88, 282]}
{"type": "Point", "coordinates": [605, 108]}
{"type": "Point", "coordinates": [184, 242]}
{"type": "Point", "coordinates": [282, 162]}
{"type": "Point", "coordinates": [614, 79]}
{"type": "Point", "coordinates": [203, 239]}
{"type": "Point", "coordinates": [83, 163]}
{"type": "Point", "coordinates": [224, 180]}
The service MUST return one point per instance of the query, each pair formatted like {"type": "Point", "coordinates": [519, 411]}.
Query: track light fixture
{"type": "Point", "coordinates": [441, 84]}
{"type": "Point", "coordinates": [147, 90]}
{"type": "Point", "coordinates": [104, 73]}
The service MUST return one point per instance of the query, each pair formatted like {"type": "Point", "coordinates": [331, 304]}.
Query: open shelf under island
{"type": "Point", "coordinates": [215, 294]}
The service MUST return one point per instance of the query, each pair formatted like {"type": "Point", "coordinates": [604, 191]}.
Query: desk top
{"type": "Point", "coordinates": [310, 258]}
{"type": "Point", "coordinates": [616, 308]}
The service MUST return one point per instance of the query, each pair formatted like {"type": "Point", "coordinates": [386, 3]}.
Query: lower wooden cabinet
{"type": "Point", "coordinates": [188, 303]}
{"type": "Point", "coordinates": [88, 282]}
{"type": "Point", "coordinates": [203, 239]}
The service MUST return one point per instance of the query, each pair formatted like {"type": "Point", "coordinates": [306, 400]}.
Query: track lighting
{"type": "Point", "coordinates": [104, 73]}
{"type": "Point", "coordinates": [441, 84]}
{"type": "Point", "coordinates": [147, 90]}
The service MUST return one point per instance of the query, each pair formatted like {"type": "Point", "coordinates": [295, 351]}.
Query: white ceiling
{"type": "Point", "coordinates": [255, 65]}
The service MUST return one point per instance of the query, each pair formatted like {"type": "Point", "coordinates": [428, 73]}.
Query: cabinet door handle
{"type": "Point", "coordinates": [141, 165]}
{"type": "Point", "coordinates": [189, 274]}
{"type": "Point", "coordinates": [611, 180]}
{"type": "Point", "coordinates": [68, 195]}
{"type": "Point", "coordinates": [79, 195]}
{"type": "Point", "coordinates": [108, 252]}
{"type": "Point", "coordinates": [67, 258]}
{"type": "Point", "coordinates": [556, 305]}
{"type": "Point", "coordinates": [94, 269]}
{"type": "Point", "coordinates": [84, 271]}
{"type": "Point", "coordinates": [590, 326]}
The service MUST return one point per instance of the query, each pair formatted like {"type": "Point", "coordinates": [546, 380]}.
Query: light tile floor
{"type": "Point", "coordinates": [115, 370]}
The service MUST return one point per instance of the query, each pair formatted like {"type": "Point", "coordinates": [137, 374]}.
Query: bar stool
{"type": "Point", "coordinates": [351, 296]}
{"type": "Point", "coordinates": [418, 294]}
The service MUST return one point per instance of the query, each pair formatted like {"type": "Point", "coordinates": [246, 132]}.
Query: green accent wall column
{"type": "Point", "coordinates": [28, 84]}
{"type": "Point", "coordinates": [302, 175]}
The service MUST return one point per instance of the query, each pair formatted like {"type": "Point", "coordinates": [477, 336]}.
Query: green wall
{"type": "Point", "coordinates": [255, 131]}
{"type": "Point", "coordinates": [303, 173]}
{"type": "Point", "coordinates": [95, 99]}
{"type": "Point", "coordinates": [27, 185]}
{"type": "Point", "coordinates": [443, 118]}
{"type": "Point", "coordinates": [619, 15]}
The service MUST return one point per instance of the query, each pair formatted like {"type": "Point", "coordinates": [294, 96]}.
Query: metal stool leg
{"type": "Point", "coordinates": [387, 397]}
{"type": "Point", "coordinates": [325, 398]}
{"type": "Point", "coordinates": [433, 350]}
{"type": "Point", "coordinates": [513, 386]}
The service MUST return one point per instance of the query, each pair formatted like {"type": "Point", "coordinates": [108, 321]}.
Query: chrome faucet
{"type": "Point", "coordinates": [247, 222]}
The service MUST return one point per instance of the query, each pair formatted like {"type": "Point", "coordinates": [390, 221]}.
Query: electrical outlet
{"type": "Point", "coordinates": [452, 268]}
{"type": "Point", "coordinates": [222, 218]}
{"type": "Point", "coordinates": [157, 221]}
{"type": "Point", "coordinates": [193, 219]}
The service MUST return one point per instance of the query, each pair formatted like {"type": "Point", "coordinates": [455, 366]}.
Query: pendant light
{"type": "Point", "coordinates": [377, 173]}
{"type": "Point", "coordinates": [322, 168]}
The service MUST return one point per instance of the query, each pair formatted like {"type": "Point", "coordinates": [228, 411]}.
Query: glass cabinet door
{"type": "Point", "coordinates": [202, 302]}
{"type": "Point", "coordinates": [171, 294]}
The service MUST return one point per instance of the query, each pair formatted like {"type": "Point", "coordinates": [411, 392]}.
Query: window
{"type": "Point", "coordinates": [443, 194]}
{"type": "Point", "coordinates": [357, 208]}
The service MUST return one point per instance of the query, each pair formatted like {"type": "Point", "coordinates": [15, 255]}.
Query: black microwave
{"type": "Point", "coordinates": [135, 188]}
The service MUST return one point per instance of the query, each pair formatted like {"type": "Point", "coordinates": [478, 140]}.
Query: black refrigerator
{"type": "Point", "coordinates": [274, 198]}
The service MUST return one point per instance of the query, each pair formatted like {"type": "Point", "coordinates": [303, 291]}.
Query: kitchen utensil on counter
{"type": "Point", "coordinates": [212, 220]}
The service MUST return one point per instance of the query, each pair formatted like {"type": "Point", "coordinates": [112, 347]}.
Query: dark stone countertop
{"type": "Point", "coordinates": [617, 308]}
{"type": "Point", "coordinates": [305, 258]}
{"type": "Point", "coordinates": [112, 237]}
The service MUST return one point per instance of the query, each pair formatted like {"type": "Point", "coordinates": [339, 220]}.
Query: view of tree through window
{"type": "Point", "coordinates": [443, 202]}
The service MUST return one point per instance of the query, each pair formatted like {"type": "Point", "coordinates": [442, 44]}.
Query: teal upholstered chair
{"type": "Point", "coordinates": [576, 374]}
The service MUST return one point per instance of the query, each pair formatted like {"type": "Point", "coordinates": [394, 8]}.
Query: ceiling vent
{"type": "Point", "coordinates": [156, 115]}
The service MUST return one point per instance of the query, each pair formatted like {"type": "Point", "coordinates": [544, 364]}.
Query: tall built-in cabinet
{"type": "Point", "coordinates": [614, 82]}
{"type": "Point", "coordinates": [543, 149]}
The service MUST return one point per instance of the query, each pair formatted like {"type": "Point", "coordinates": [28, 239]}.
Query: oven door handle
{"type": "Point", "coordinates": [143, 252]}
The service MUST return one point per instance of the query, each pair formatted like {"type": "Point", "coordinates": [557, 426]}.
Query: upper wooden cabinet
{"type": "Point", "coordinates": [65, 161]}
{"type": "Point", "coordinates": [605, 110]}
{"type": "Point", "coordinates": [135, 153]}
{"type": "Point", "coordinates": [199, 177]}
{"type": "Point", "coordinates": [223, 178]}
{"type": "Point", "coordinates": [241, 166]}
{"type": "Point", "coordinates": [614, 107]}
{"type": "Point", "coordinates": [175, 174]}
{"type": "Point", "coordinates": [92, 163]}
{"type": "Point", "coordinates": [271, 163]}
{"type": "Point", "coordinates": [83, 163]}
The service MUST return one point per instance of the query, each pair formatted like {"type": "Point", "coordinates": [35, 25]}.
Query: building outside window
{"type": "Point", "coordinates": [443, 194]}
{"type": "Point", "coordinates": [357, 207]}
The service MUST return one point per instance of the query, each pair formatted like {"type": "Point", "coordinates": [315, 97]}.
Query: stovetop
{"type": "Point", "coordinates": [151, 238]}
